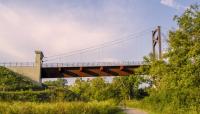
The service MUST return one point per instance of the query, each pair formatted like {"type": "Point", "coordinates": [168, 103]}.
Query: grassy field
{"type": "Point", "coordinates": [104, 107]}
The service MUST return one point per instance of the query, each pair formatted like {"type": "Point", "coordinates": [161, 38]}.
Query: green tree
{"type": "Point", "coordinates": [99, 89]}
{"type": "Point", "coordinates": [81, 88]}
{"type": "Point", "coordinates": [176, 77]}
{"type": "Point", "coordinates": [128, 86]}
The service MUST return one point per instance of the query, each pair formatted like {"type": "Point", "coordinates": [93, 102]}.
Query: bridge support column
{"type": "Point", "coordinates": [38, 65]}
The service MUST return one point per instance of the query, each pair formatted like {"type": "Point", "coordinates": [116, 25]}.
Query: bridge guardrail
{"type": "Point", "coordinates": [17, 64]}
{"type": "Point", "coordinates": [88, 64]}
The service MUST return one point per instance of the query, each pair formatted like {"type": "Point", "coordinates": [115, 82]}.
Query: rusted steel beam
{"type": "Point", "coordinates": [81, 69]}
{"type": "Point", "coordinates": [121, 68]}
{"type": "Point", "coordinates": [101, 68]}
{"type": "Point", "coordinates": [88, 71]}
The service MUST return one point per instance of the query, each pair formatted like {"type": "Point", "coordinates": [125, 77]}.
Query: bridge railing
{"type": "Point", "coordinates": [17, 64]}
{"type": "Point", "coordinates": [89, 64]}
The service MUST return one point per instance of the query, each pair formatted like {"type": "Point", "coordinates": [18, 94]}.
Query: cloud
{"type": "Point", "coordinates": [169, 3]}
{"type": "Point", "coordinates": [23, 30]}
{"type": "Point", "coordinates": [62, 27]}
{"type": "Point", "coordinates": [173, 4]}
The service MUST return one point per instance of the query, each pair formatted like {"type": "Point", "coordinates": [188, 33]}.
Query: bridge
{"type": "Point", "coordinates": [66, 70]}
{"type": "Point", "coordinates": [40, 69]}
{"type": "Point", "coordinates": [89, 69]}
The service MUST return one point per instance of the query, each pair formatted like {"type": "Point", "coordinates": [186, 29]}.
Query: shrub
{"type": "Point", "coordinates": [105, 107]}
{"type": "Point", "coordinates": [39, 96]}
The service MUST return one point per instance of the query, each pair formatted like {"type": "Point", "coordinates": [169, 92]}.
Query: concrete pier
{"type": "Point", "coordinates": [32, 72]}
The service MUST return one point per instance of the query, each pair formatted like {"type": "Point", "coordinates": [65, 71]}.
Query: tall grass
{"type": "Point", "coordinates": [104, 107]}
{"type": "Point", "coordinates": [159, 108]}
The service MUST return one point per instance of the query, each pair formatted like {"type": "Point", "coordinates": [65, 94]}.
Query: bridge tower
{"type": "Point", "coordinates": [156, 40]}
{"type": "Point", "coordinates": [38, 65]}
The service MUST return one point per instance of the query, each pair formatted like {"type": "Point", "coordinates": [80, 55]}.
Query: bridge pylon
{"type": "Point", "coordinates": [38, 65]}
{"type": "Point", "coordinates": [156, 40]}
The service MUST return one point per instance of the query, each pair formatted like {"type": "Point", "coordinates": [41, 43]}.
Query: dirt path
{"type": "Point", "coordinates": [133, 111]}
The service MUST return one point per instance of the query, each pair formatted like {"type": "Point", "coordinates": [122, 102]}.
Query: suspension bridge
{"type": "Point", "coordinates": [43, 68]}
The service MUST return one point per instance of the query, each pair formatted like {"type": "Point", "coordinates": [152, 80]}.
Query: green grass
{"type": "Point", "coordinates": [104, 107]}
{"type": "Point", "coordinates": [158, 109]}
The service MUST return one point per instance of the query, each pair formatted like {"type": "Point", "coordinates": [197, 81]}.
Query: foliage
{"type": "Point", "coordinates": [81, 88]}
{"type": "Point", "coordinates": [64, 94]}
{"type": "Point", "coordinates": [56, 83]}
{"type": "Point", "coordinates": [104, 107]}
{"type": "Point", "coordinates": [58, 94]}
{"type": "Point", "coordinates": [175, 78]}
{"type": "Point", "coordinates": [98, 89]}
{"type": "Point", "coordinates": [25, 96]}
{"type": "Point", "coordinates": [128, 87]}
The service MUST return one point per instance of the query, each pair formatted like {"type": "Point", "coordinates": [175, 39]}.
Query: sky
{"type": "Point", "coordinates": [63, 26]}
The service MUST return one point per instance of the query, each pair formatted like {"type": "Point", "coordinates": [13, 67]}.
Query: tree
{"type": "Point", "coordinates": [177, 75]}
{"type": "Point", "coordinates": [81, 88]}
{"type": "Point", "coordinates": [100, 89]}
{"type": "Point", "coordinates": [128, 86]}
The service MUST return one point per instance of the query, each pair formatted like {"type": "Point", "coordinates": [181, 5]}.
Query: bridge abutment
{"type": "Point", "coordinates": [32, 72]}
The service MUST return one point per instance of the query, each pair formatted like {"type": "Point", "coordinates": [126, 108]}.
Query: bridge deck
{"type": "Point", "coordinates": [57, 70]}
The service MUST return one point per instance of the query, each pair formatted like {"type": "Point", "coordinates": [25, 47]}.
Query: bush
{"type": "Point", "coordinates": [39, 96]}
{"type": "Point", "coordinates": [182, 101]}
{"type": "Point", "coordinates": [106, 107]}
{"type": "Point", "coordinates": [36, 96]}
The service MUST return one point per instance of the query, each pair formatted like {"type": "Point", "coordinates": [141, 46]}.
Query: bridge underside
{"type": "Point", "coordinates": [60, 72]}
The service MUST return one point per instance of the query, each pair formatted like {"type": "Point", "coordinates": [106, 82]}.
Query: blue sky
{"type": "Point", "coordinates": [62, 26]}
